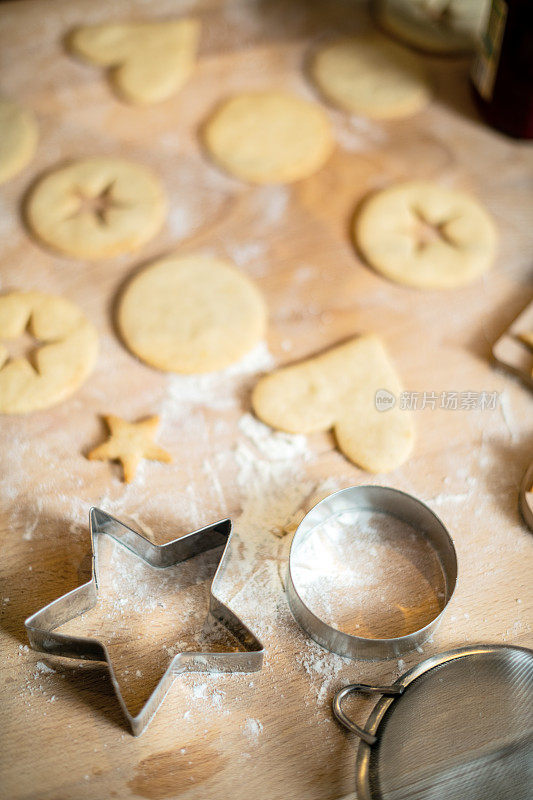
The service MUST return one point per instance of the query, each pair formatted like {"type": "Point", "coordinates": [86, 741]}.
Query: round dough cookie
{"type": "Point", "coordinates": [425, 235]}
{"type": "Point", "coordinates": [269, 137]}
{"type": "Point", "coordinates": [191, 314]}
{"type": "Point", "coordinates": [66, 356]}
{"type": "Point", "coordinates": [18, 138]}
{"type": "Point", "coordinates": [371, 76]}
{"type": "Point", "coordinates": [96, 207]}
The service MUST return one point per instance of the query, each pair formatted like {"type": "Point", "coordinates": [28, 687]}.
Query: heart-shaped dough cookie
{"type": "Point", "coordinates": [337, 390]}
{"type": "Point", "coordinates": [149, 61]}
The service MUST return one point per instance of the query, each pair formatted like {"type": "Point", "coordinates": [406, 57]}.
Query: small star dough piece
{"type": "Point", "coordinates": [96, 208]}
{"type": "Point", "coordinates": [337, 390]}
{"type": "Point", "coordinates": [425, 235]}
{"type": "Point", "coordinates": [149, 61]}
{"type": "Point", "coordinates": [129, 443]}
{"type": "Point", "coordinates": [371, 76]}
{"type": "Point", "coordinates": [191, 314]}
{"type": "Point", "coordinates": [63, 361]}
{"type": "Point", "coordinates": [18, 138]}
{"type": "Point", "coordinates": [269, 137]}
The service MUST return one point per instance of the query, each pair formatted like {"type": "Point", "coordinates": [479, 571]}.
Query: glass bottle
{"type": "Point", "coordinates": [502, 73]}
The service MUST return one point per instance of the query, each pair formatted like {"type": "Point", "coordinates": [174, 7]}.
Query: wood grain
{"type": "Point", "coordinates": [63, 737]}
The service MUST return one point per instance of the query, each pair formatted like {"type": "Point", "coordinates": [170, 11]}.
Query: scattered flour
{"type": "Point", "coordinates": [269, 465]}
{"type": "Point", "coordinates": [181, 221]}
{"type": "Point", "coordinates": [369, 574]}
{"type": "Point", "coordinates": [217, 390]}
{"type": "Point", "coordinates": [507, 414]}
{"type": "Point", "coordinates": [44, 668]}
{"type": "Point", "coordinates": [357, 134]}
{"type": "Point", "coordinates": [269, 204]}
{"type": "Point", "coordinates": [252, 728]}
{"type": "Point", "coordinates": [246, 254]}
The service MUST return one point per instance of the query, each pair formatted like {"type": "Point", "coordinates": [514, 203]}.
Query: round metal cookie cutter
{"type": "Point", "coordinates": [395, 504]}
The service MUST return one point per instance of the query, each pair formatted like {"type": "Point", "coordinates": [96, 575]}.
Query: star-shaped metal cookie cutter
{"type": "Point", "coordinates": [41, 625]}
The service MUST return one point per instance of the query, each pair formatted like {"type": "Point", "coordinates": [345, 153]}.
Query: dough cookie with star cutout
{"type": "Point", "coordinates": [425, 235]}
{"type": "Point", "coordinates": [191, 314]}
{"type": "Point", "coordinates": [337, 390]}
{"type": "Point", "coordinates": [96, 207]}
{"type": "Point", "coordinates": [67, 349]}
{"type": "Point", "coordinates": [371, 76]}
{"type": "Point", "coordinates": [18, 138]}
{"type": "Point", "coordinates": [269, 137]}
{"type": "Point", "coordinates": [148, 61]}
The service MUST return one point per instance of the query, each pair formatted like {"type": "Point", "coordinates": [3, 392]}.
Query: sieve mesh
{"type": "Point", "coordinates": [461, 731]}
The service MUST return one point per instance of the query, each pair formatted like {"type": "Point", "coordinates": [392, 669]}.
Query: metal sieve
{"type": "Point", "coordinates": [459, 726]}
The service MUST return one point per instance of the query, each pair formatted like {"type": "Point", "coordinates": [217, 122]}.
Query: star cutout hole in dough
{"type": "Point", "coordinates": [427, 232]}
{"type": "Point", "coordinates": [129, 443]}
{"type": "Point", "coordinates": [25, 346]}
{"type": "Point", "coordinates": [144, 616]}
{"type": "Point", "coordinates": [100, 204]}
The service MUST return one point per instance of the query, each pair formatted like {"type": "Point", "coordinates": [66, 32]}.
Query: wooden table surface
{"type": "Point", "coordinates": [270, 734]}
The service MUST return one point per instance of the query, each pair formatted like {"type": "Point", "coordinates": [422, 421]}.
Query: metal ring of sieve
{"type": "Point", "coordinates": [458, 725]}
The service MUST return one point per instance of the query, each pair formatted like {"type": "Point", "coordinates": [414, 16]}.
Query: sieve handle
{"type": "Point", "coordinates": [367, 737]}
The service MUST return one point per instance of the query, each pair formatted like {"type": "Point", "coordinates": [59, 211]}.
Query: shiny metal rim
{"type": "Point", "coordinates": [362, 764]}
{"type": "Point", "coordinates": [404, 507]}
